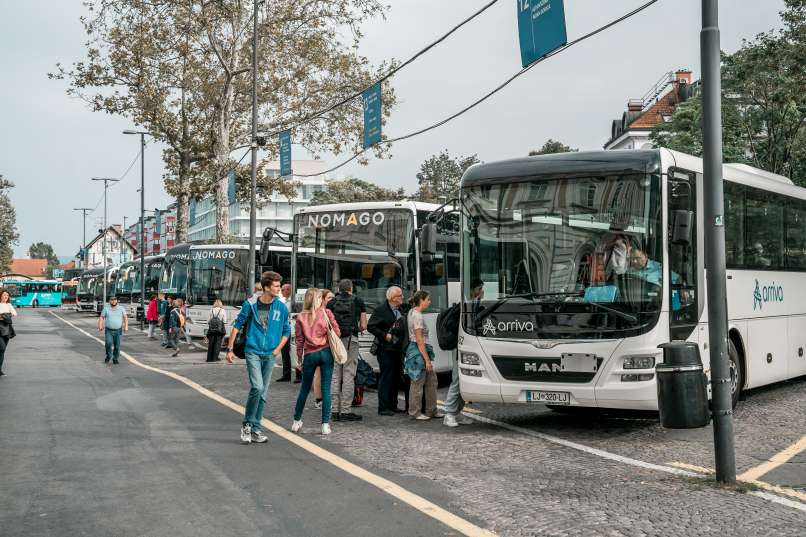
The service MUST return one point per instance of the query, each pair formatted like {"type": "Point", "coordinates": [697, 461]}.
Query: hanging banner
{"type": "Point", "coordinates": [231, 193]}
{"type": "Point", "coordinates": [372, 115]}
{"type": "Point", "coordinates": [285, 154]}
{"type": "Point", "coordinates": [541, 28]}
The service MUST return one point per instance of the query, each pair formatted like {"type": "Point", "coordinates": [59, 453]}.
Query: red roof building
{"type": "Point", "coordinates": [33, 268]}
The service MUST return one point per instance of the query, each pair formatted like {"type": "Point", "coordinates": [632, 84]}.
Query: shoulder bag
{"type": "Point", "coordinates": [334, 341]}
{"type": "Point", "coordinates": [239, 347]}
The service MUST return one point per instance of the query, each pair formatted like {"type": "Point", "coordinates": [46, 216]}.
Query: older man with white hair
{"type": "Point", "coordinates": [388, 325]}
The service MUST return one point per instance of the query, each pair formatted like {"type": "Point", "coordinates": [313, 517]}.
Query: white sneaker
{"type": "Point", "coordinates": [296, 426]}
{"type": "Point", "coordinates": [450, 421]}
{"type": "Point", "coordinates": [423, 417]}
{"type": "Point", "coordinates": [259, 438]}
{"type": "Point", "coordinates": [464, 420]}
{"type": "Point", "coordinates": [326, 428]}
{"type": "Point", "coordinates": [246, 434]}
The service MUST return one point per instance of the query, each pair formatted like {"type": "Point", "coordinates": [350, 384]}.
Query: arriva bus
{"type": "Point", "coordinates": [85, 296]}
{"type": "Point", "coordinates": [576, 266]}
{"type": "Point", "coordinates": [34, 293]}
{"type": "Point", "coordinates": [375, 245]}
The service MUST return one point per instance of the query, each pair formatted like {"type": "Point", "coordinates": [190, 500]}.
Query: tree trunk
{"type": "Point", "coordinates": [222, 149]}
{"type": "Point", "coordinates": [182, 214]}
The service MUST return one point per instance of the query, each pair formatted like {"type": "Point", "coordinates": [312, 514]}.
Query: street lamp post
{"type": "Point", "coordinates": [142, 221]}
{"type": "Point", "coordinates": [106, 181]}
{"type": "Point", "coordinates": [84, 211]}
{"type": "Point", "coordinates": [254, 144]}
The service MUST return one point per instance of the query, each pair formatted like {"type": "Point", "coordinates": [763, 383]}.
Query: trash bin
{"type": "Point", "coordinates": [682, 387]}
{"type": "Point", "coordinates": [140, 315]}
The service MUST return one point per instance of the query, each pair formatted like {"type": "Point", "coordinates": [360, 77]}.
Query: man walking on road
{"type": "Point", "coordinates": [285, 298]}
{"type": "Point", "coordinates": [351, 314]}
{"type": "Point", "coordinates": [265, 320]}
{"type": "Point", "coordinates": [113, 319]}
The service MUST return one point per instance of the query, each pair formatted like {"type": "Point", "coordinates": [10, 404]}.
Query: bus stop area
{"type": "Point", "coordinates": [527, 469]}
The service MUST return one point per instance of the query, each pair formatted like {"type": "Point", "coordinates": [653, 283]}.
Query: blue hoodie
{"type": "Point", "coordinates": [262, 340]}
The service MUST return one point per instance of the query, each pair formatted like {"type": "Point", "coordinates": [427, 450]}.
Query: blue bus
{"type": "Point", "coordinates": [34, 293]}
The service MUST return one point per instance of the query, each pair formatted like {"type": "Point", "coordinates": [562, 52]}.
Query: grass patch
{"type": "Point", "coordinates": [709, 482]}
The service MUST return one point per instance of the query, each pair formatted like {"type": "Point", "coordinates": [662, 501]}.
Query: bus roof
{"type": "Point", "coordinates": [370, 205]}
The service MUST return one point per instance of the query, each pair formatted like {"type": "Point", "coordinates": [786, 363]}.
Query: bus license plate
{"type": "Point", "coordinates": [552, 398]}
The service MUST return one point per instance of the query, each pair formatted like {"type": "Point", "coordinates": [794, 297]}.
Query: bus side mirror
{"type": "Point", "coordinates": [428, 239]}
{"type": "Point", "coordinates": [264, 253]}
{"type": "Point", "coordinates": [681, 226]}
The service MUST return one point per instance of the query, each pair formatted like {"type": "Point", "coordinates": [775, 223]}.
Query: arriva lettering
{"type": "Point", "coordinates": [767, 293]}
{"type": "Point", "coordinates": [491, 328]}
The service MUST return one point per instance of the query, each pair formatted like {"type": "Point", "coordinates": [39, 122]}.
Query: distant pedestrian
{"type": "Point", "coordinates": [216, 329]}
{"type": "Point", "coordinates": [327, 295]}
{"type": "Point", "coordinates": [113, 320]}
{"type": "Point", "coordinates": [285, 298]}
{"type": "Point", "coordinates": [268, 331]}
{"type": "Point", "coordinates": [185, 333]}
{"type": "Point", "coordinates": [152, 316]}
{"type": "Point", "coordinates": [176, 323]}
{"type": "Point", "coordinates": [351, 316]}
{"type": "Point", "coordinates": [163, 309]}
{"type": "Point", "coordinates": [313, 350]}
{"type": "Point", "coordinates": [7, 311]}
{"type": "Point", "coordinates": [419, 361]}
{"type": "Point", "coordinates": [387, 324]}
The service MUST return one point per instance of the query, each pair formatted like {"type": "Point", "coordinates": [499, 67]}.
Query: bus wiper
{"type": "Point", "coordinates": [617, 313]}
{"type": "Point", "coordinates": [487, 311]}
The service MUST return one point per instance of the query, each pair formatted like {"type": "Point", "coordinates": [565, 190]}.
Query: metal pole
{"type": "Point", "coordinates": [715, 244]}
{"type": "Point", "coordinates": [106, 187]}
{"type": "Point", "coordinates": [84, 236]}
{"type": "Point", "coordinates": [253, 188]}
{"type": "Point", "coordinates": [142, 228]}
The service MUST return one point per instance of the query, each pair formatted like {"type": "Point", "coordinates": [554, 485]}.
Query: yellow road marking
{"type": "Point", "coordinates": [418, 502]}
{"type": "Point", "coordinates": [775, 461]}
{"type": "Point", "coordinates": [465, 409]}
{"type": "Point", "coordinates": [692, 467]}
{"type": "Point", "coordinates": [784, 491]}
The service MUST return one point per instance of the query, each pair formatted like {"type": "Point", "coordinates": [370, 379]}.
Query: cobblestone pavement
{"type": "Point", "coordinates": [519, 485]}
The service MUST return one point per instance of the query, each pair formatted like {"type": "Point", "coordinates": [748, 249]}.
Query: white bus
{"type": "Point", "coordinates": [375, 245]}
{"type": "Point", "coordinates": [153, 266]}
{"type": "Point", "coordinates": [577, 266]}
{"type": "Point", "coordinates": [85, 296]}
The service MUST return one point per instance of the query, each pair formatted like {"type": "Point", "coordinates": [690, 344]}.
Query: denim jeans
{"type": "Point", "coordinates": [112, 343]}
{"type": "Point", "coordinates": [323, 360]}
{"type": "Point", "coordinates": [454, 402]}
{"type": "Point", "coordinates": [259, 369]}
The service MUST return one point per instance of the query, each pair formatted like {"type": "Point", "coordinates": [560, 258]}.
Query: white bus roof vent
{"type": "Point", "coordinates": [744, 169]}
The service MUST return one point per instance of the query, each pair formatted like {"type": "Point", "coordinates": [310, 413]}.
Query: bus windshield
{"type": "Point", "coordinates": [218, 274]}
{"type": "Point", "coordinates": [563, 258]}
{"type": "Point", "coordinates": [174, 277]}
{"type": "Point", "coordinates": [125, 281]}
{"type": "Point", "coordinates": [371, 248]}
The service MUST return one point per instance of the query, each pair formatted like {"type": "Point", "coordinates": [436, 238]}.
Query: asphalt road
{"type": "Point", "coordinates": [89, 449]}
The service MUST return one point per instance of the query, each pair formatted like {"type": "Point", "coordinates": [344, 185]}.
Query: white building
{"type": "Point", "coordinates": [118, 249]}
{"type": "Point", "coordinates": [277, 213]}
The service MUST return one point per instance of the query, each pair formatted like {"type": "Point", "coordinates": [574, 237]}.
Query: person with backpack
{"type": "Point", "coordinates": [176, 321]}
{"type": "Point", "coordinates": [264, 322]}
{"type": "Point", "coordinates": [351, 315]}
{"type": "Point", "coordinates": [163, 308]}
{"type": "Point", "coordinates": [216, 328]}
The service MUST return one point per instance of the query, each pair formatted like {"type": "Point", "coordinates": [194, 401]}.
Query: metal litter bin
{"type": "Point", "coordinates": [682, 387]}
{"type": "Point", "coordinates": [141, 314]}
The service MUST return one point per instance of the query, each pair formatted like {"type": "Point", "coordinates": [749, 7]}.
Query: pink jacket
{"type": "Point", "coordinates": [151, 313]}
{"type": "Point", "coordinates": [311, 334]}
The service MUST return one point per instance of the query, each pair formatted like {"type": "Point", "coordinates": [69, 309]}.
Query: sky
{"type": "Point", "coordinates": [53, 144]}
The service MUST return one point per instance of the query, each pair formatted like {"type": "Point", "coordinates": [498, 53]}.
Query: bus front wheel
{"type": "Point", "coordinates": [736, 376]}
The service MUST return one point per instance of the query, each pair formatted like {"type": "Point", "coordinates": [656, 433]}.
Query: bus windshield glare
{"type": "Point", "coordinates": [563, 258]}
{"type": "Point", "coordinates": [372, 248]}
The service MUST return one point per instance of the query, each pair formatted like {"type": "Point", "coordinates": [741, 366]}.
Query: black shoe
{"type": "Point", "coordinates": [115, 362]}
{"type": "Point", "coordinates": [386, 413]}
{"type": "Point", "coordinates": [2, 374]}
{"type": "Point", "coordinates": [284, 379]}
{"type": "Point", "coordinates": [398, 410]}
{"type": "Point", "coordinates": [336, 416]}
{"type": "Point", "coordinates": [106, 361]}
{"type": "Point", "coordinates": [297, 381]}
{"type": "Point", "coordinates": [351, 416]}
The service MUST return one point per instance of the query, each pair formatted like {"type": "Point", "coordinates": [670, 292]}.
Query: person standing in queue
{"type": "Point", "coordinates": [351, 314]}
{"type": "Point", "coordinates": [285, 298]}
{"type": "Point", "coordinates": [152, 316]}
{"type": "Point", "coordinates": [113, 320]}
{"type": "Point", "coordinates": [7, 311]}
{"type": "Point", "coordinates": [386, 324]}
{"type": "Point", "coordinates": [419, 361]}
{"type": "Point", "coordinates": [163, 311]}
{"type": "Point", "coordinates": [216, 330]}
{"type": "Point", "coordinates": [313, 351]}
{"type": "Point", "coordinates": [268, 332]}
{"type": "Point", "coordinates": [327, 295]}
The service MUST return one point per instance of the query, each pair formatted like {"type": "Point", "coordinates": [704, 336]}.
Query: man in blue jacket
{"type": "Point", "coordinates": [267, 333]}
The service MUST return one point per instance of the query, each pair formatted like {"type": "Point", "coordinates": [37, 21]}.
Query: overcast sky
{"type": "Point", "coordinates": [52, 145]}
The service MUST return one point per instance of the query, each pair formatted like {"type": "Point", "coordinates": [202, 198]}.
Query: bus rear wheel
{"type": "Point", "coordinates": [736, 376]}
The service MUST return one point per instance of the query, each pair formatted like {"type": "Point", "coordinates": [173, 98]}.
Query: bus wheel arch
{"type": "Point", "coordinates": [736, 351]}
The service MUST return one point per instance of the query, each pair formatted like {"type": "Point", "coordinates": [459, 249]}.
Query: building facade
{"type": "Point", "coordinates": [118, 249]}
{"type": "Point", "coordinates": [160, 231]}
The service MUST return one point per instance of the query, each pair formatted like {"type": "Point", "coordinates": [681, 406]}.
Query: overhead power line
{"type": "Point", "coordinates": [495, 90]}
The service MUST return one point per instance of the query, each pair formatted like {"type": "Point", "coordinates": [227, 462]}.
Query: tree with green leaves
{"type": "Point", "coordinates": [439, 176]}
{"type": "Point", "coordinates": [353, 189]}
{"type": "Point", "coordinates": [8, 226]}
{"type": "Point", "coordinates": [43, 250]}
{"type": "Point", "coordinates": [181, 70]}
{"type": "Point", "coordinates": [552, 146]}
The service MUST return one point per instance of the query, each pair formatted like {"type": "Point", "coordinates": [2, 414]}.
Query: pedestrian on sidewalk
{"type": "Point", "coordinates": [285, 298]}
{"type": "Point", "coordinates": [163, 309]}
{"type": "Point", "coordinates": [7, 311]}
{"type": "Point", "coordinates": [184, 331]}
{"type": "Point", "coordinates": [419, 361]}
{"type": "Point", "coordinates": [176, 323]}
{"type": "Point", "coordinates": [152, 316]}
{"type": "Point", "coordinates": [327, 295]}
{"type": "Point", "coordinates": [454, 403]}
{"type": "Point", "coordinates": [216, 329]}
{"type": "Point", "coordinates": [113, 320]}
{"type": "Point", "coordinates": [313, 350]}
{"type": "Point", "coordinates": [265, 320]}
{"type": "Point", "coordinates": [351, 316]}
{"type": "Point", "coordinates": [387, 324]}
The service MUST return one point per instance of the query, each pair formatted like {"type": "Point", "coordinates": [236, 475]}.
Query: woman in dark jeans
{"type": "Point", "coordinates": [214, 339]}
{"type": "Point", "coordinates": [7, 311]}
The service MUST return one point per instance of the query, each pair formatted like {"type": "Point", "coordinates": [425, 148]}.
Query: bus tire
{"type": "Point", "coordinates": [736, 370]}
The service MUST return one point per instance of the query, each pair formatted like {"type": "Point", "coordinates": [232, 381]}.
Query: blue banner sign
{"type": "Point", "coordinates": [231, 193]}
{"type": "Point", "coordinates": [541, 28]}
{"type": "Point", "coordinates": [372, 115]}
{"type": "Point", "coordinates": [285, 154]}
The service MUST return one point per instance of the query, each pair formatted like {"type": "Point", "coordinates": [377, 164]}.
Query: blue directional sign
{"type": "Point", "coordinates": [541, 28]}
{"type": "Point", "coordinates": [285, 154]}
{"type": "Point", "coordinates": [372, 115]}
{"type": "Point", "coordinates": [231, 192]}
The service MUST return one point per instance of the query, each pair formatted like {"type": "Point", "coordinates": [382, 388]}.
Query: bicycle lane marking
{"type": "Point", "coordinates": [418, 502]}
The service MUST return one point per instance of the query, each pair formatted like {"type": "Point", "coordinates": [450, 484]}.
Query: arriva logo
{"type": "Point", "coordinates": [767, 293]}
{"type": "Point", "coordinates": [491, 328]}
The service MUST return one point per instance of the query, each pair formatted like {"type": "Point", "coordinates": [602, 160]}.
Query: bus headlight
{"type": "Point", "coordinates": [637, 377]}
{"type": "Point", "coordinates": [469, 358]}
{"type": "Point", "coordinates": [470, 372]}
{"type": "Point", "coordinates": [639, 362]}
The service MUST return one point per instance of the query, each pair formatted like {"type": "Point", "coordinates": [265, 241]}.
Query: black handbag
{"type": "Point", "coordinates": [239, 348]}
{"type": "Point", "coordinates": [6, 326]}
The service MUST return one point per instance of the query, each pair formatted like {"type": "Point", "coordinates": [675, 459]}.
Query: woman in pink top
{"type": "Point", "coordinates": [313, 351]}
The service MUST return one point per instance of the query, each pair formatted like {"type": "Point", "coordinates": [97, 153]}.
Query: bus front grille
{"type": "Point", "coordinates": [526, 369]}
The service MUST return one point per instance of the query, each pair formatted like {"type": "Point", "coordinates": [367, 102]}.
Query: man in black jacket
{"type": "Point", "coordinates": [388, 326]}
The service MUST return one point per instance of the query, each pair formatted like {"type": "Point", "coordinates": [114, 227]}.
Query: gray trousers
{"type": "Point", "coordinates": [453, 401]}
{"type": "Point", "coordinates": [343, 384]}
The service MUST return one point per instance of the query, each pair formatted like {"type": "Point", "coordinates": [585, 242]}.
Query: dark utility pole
{"type": "Point", "coordinates": [253, 188]}
{"type": "Point", "coordinates": [715, 244]}
{"type": "Point", "coordinates": [142, 248]}
{"type": "Point", "coordinates": [84, 237]}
